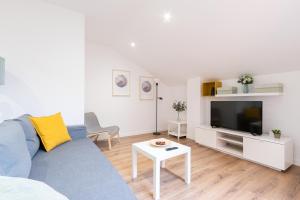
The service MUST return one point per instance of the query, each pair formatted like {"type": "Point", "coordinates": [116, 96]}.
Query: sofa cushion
{"type": "Point", "coordinates": [15, 159]}
{"type": "Point", "coordinates": [77, 132]}
{"type": "Point", "coordinates": [79, 170]}
{"type": "Point", "coordinates": [52, 130]}
{"type": "Point", "coordinates": [32, 139]}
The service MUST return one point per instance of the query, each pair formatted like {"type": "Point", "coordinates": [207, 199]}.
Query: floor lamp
{"type": "Point", "coordinates": [156, 109]}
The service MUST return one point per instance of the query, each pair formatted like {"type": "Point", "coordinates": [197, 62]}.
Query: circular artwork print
{"type": "Point", "coordinates": [146, 86]}
{"type": "Point", "coordinates": [121, 81]}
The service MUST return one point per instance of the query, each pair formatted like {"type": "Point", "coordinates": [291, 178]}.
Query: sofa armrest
{"type": "Point", "coordinates": [77, 132]}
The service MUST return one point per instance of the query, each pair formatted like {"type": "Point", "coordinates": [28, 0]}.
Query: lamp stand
{"type": "Point", "coordinates": [156, 109]}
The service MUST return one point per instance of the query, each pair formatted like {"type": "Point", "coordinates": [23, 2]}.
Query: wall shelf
{"type": "Point", "coordinates": [210, 88]}
{"type": "Point", "coordinates": [250, 94]}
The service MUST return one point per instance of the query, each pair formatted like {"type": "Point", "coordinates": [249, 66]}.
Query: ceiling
{"type": "Point", "coordinates": [215, 39]}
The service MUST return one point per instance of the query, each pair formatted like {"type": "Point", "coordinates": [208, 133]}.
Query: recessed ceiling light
{"type": "Point", "coordinates": [132, 44]}
{"type": "Point", "coordinates": [167, 17]}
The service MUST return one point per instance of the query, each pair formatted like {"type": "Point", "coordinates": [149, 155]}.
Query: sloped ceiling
{"type": "Point", "coordinates": [215, 39]}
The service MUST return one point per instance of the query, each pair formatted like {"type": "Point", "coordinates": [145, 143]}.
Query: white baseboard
{"type": "Point", "coordinates": [138, 132]}
{"type": "Point", "coordinates": [297, 162]}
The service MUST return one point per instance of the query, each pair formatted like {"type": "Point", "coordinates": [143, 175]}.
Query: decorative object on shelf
{"type": "Point", "coordinates": [213, 91]}
{"type": "Point", "coordinates": [227, 90]}
{"type": "Point", "coordinates": [179, 106]}
{"type": "Point", "coordinates": [277, 133]}
{"type": "Point", "coordinates": [245, 80]}
{"type": "Point", "coordinates": [210, 88]}
{"type": "Point", "coordinates": [2, 71]}
{"type": "Point", "coordinates": [120, 83]}
{"type": "Point", "coordinates": [269, 88]}
{"type": "Point", "coordinates": [146, 88]}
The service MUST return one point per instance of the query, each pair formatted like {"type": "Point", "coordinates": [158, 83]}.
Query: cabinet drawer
{"type": "Point", "coordinates": [206, 137]}
{"type": "Point", "coordinates": [267, 153]}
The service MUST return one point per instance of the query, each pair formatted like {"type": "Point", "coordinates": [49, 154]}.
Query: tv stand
{"type": "Point", "coordinates": [230, 143]}
{"type": "Point", "coordinates": [254, 134]}
{"type": "Point", "coordinates": [262, 149]}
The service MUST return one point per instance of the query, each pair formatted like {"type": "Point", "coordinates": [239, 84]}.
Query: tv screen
{"type": "Point", "coordinates": [237, 115]}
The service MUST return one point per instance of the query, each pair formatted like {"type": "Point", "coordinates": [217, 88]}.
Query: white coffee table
{"type": "Point", "coordinates": [159, 155]}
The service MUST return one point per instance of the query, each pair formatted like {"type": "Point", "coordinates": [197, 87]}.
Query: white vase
{"type": "Point", "coordinates": [245, 88]}
{"type": "Point", "coordinates": [178, 116]}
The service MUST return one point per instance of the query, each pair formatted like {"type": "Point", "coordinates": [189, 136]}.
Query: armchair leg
{"type": "Point", "coordinates": [109, 143]}
{"type": "Point", "coordinates": [94, 138]}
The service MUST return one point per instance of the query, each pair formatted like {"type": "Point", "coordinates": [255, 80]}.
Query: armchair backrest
{"type": "Point", "coordinates": [91, 122]}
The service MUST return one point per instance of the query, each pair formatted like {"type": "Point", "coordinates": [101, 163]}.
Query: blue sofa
{"type": "Point", "coordinates": [76, 169]}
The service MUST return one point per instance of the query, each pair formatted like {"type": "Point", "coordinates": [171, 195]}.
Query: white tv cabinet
{"type": "Point", "coordinates": [265, 150]}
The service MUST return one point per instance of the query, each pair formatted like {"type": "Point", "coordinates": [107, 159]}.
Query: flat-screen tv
{"type": "Point", "coordinates": [237, 115]}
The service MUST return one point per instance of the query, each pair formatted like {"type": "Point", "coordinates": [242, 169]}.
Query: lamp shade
{"type": "Point", "coordinates": [2, 71]}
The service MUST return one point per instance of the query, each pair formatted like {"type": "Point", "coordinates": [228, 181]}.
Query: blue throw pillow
{"type": "Point", "coordinates": [15, 159]}
{"type": "Point", "coordinates": [32, 140]}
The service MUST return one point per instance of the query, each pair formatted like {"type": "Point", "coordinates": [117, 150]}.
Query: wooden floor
{"type": "Point", "coordinates": [214, 175]}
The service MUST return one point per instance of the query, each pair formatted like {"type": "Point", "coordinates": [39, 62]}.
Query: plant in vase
{"type": "Point", "coordinates": [245, 80]}
{"type": "Point", "coordinates": [179, 106]}
{"type": "Point", "coordinates": [277, 133]}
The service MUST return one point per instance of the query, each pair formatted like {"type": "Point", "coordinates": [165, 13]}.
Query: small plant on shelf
{"type": "Point", "coordinates": [179, 106]}
{"type": "Point", "coordinates": [245, 80]}
{"type": "Point", "coordinates": [277, 133]}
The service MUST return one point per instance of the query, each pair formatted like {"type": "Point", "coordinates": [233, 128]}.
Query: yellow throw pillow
{"type": "Point", "coordinates": [52, 130]}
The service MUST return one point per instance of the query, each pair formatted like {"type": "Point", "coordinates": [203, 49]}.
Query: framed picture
{"type": "Point", "coordinates": [146, 88]}
{"type": "Point", "coordinates": [120, 83]}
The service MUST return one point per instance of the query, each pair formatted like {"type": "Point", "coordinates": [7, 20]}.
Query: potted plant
{"type": "Point", "coordinates": [277, 133]}
{"type": "Point", "coordinates": [179, 106]}
{"type": "Point", "coordinates": [245, 80]}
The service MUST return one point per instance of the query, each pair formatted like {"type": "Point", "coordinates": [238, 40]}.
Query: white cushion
{"type": "Point", "coordinates": [12, 188]}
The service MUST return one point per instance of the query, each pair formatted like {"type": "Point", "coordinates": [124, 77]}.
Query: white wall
{"type": "Point", "coordinates": [282, 112]}
{"type": "Point", "coordinates": [134, 116]}
{"type": "Point", "coordinates": [170, 94]}
{"type": "Point", "coordinates": [194, 112]}
{"type": "Point", "coordinates": [44, 50]}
